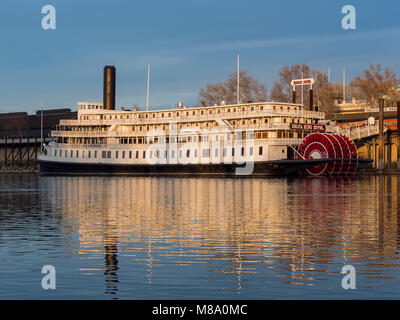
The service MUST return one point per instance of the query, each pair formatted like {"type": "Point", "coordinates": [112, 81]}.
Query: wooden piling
{"type": "Point", "coordinates": [381, 136]}
{"type": "Point", "coordinates": [398, 135]}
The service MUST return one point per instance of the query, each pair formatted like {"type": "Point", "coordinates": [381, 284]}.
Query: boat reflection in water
{"type": "Point", "coordinates": [304, 230]}
{"type": "Point", "coordinates": [200, 238]}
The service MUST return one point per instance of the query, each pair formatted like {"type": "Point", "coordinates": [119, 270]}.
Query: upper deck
{"type": "Point", "coordinates": [94, 114]}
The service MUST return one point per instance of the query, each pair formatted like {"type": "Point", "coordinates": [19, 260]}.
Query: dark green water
{"type": "Point", "coordinates": [134, 238]}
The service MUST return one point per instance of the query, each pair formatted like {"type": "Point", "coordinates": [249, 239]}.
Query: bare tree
{"type": "Point", "coordinates": [282, 90]}
{"type": "Point", "coordinates": [251, 90]}
{"type": "Point", "coordinates": [376, 83]}
{"type": "Point", "coordinates": [324, 92]}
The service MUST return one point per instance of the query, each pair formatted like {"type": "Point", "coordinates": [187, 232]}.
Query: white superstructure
{"type": "Point", "coordinates": [262, 131]}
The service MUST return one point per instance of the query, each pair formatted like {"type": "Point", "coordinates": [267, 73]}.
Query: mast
{"type": "Point", "coordinates": [329, 74]}
{"type": "Point", "coordinates": [237, 82]}
{"type": "Point", "coordinates": [148, 87]}
{"type": "Point", "coordinates": [41, 125]}
{"type": "Point", "coordinates": [302, 89]}
{"type": "Point", "coordinates": [344, 85]}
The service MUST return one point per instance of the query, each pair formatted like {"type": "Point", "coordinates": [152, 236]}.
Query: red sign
{"type": "Point", "coordinates": [307, 127]}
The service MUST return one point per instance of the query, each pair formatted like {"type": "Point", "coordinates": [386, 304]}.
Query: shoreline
{"type": "Point", "coordinates": [363, 172]}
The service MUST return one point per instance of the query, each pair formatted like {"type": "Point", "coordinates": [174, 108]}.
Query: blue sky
{"type": "Point", "coordinates": [186, 43]}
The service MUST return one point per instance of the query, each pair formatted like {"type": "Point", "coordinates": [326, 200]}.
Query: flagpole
{"type": "Point", "coordinates": [41, 125]}
{"type": "Point", "coordinates": [237, 82]}
{"type": "Point", "coordinates": [148, 87]}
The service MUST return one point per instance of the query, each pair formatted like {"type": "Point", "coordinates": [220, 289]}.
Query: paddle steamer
{"type": "Point", "coordinates": [261, 138]}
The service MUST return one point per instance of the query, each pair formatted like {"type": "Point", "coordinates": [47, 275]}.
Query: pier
{"type": "Point", "coordinates": [22, 135]}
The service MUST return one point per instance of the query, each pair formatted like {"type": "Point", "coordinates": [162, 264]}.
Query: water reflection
{"type": "Point", "coordinates": [240, 233]}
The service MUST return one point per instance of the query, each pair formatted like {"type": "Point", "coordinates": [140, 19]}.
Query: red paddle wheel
{"type": "Point", "coordinates": [329, 146]}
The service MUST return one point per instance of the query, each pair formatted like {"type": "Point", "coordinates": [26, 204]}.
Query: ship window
{"type": "Point", "coordinates": [144, 154]}
{"type": "Point", "coordinates": [89, 154]}
{"type": "Point", "coordinates": [77, 153]}
{"type": "Point", "coordinates": [261, 108]}
{"type": "Point", "coordinates": [71, 154]}
{"type": "Point", "coordinates": [104, 154]}
{"type": "Point", "coordinates": [116, 154]}
{"type": "Point", "coordinates": [233, 152]}
{"type": "Point", "coordinates": [242, 151]}
{"type": "Point", "coordinates": [95, 154]}
{"type": "Point", "coordinates": [55, 152]}
{"type": "Point", "coordinates": [252, 108]}
{"type": "Point", "coordinates": [165, 154]}
{"type": "Point", "coordinates": [137, 154]}
{"type": "Point", "coordinates": [260, 151]}
{"type": "Point", "coordinates": [187, 153]}
{"type": "Point", "coordinates": [123, 154]}
{"type": "Point", "coordinates": [109, 154]}
{"type": "Point", "coordinates": [284, 120]}
{"type": "Point", "coordinates": [206, 153]}
{"type": "Point", "coordinates": [65, 153]}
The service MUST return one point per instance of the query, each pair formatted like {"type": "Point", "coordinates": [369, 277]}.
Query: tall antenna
{"type": "Point", "coordinates": [148, 87]}
{"type": "Point", "coordinates": [238, 82]}
{"type": "Point", "coordinates": [344, 85]}
{"type": "Point", "coordinates": [302, 89]}
{"type": "Point", "coordinates": [329, 74]}
{"type": "Point", "coordinates": [41, 125]}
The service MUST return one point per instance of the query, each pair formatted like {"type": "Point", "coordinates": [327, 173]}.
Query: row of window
{"type": "Point", "coordinates": [183, 139]}
{"type": "Point", "coordinates": [187, 112]}
{"type": "Point", "coordinates": [137, 154]}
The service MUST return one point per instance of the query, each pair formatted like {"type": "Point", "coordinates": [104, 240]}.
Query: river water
{"type": "Point", "coordinates": [199, 238]}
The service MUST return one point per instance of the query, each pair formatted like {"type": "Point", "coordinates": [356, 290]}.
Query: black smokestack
{"type": "Point", "coordinates": [109, 88]}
